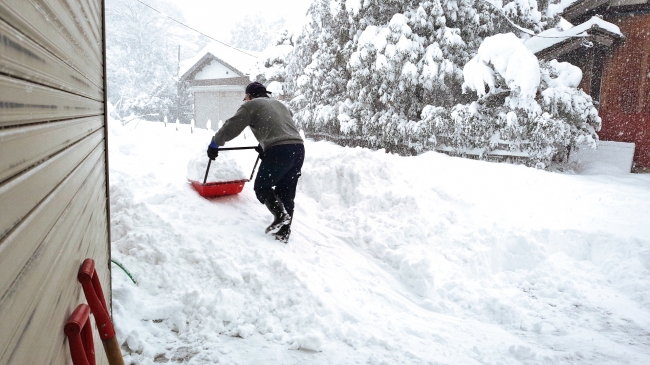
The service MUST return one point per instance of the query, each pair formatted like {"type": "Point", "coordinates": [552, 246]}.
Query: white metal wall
{"type": "Point", "coordinates": [216, 103]}
{"type": "Point", "coordinates": [53, 172]}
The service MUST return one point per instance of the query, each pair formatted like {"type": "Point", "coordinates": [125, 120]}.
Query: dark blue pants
{"type": "Point", "coordinates": [279, 173]}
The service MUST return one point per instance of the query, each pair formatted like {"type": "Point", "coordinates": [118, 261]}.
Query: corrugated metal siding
{"type": "Point", "coordinates": [53, 172]}
{"type": "Point", "coordinates": [51, 25]}
{"type": "Point", "coordinates": [22, 57]}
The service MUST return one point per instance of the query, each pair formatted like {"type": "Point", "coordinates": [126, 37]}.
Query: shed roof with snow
{"type": "Point", "coordinates": [217, 76]}
{"type": "Point", "coordinates": [218, 61]}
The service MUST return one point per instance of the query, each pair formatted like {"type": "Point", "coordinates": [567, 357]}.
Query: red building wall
{"type": "Point", "coordinates": [625, 91]}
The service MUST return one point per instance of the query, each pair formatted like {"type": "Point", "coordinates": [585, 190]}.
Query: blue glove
{"type": "Point", "coordinates": [213, 150]}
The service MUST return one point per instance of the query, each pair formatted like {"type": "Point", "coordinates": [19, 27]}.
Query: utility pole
{"type": "Point", "coordinates": [178, 84]}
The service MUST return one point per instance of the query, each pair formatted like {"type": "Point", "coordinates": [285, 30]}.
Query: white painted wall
{"type": "Point", "coordinates": [215, 70]}
{"type": "Point", "coordinates": [218, 102]}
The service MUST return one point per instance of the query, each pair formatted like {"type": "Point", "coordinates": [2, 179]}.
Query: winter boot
{"type": "Point", "coordinates": [283, 233]}
{"type": "Point", "coordinates": [280, 216]}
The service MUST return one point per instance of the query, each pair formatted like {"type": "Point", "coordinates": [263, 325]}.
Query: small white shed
{"type": "Point", "coordinates": [218, 76]}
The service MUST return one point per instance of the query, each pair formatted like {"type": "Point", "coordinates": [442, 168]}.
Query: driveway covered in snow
{"type": "Point", "coordinates": [392, 260]}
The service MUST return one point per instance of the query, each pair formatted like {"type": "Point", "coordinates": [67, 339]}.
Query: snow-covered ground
{"type": "Point", "coordinates": [392, 260]}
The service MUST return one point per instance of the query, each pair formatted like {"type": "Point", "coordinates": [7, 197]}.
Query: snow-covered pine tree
{"type": "Point", "coordinates": [142, 59]}
{"type": "Point", "coordinates": [273, 61]}
{"type": "Point", "coordinates": [317, 69]}
{"type": "Point", "coordinates": [397, 68]}
{"type": "Point", "coordinates": [305, 45]}
{"type": "Point", "coordinates": [388, 74]}
{"type": "Point", "coordinates": [525, 14]}
{"type": "Point", "coordinates": [322, 84]}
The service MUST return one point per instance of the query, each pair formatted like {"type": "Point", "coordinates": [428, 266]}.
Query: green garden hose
{"type": "Point", "coordinates": [125, 270]}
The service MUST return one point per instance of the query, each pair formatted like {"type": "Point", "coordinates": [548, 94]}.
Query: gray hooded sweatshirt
{"type": "Point", "coordinates": [270, 121]}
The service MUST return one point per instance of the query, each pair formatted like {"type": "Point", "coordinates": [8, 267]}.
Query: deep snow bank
{"type": "Point", "coordinates": [393, 260]}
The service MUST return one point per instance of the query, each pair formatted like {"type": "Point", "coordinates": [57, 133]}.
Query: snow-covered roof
{"type": "Point", "coordinates": [551, 37]}
{"type": "Point", "coordinates": [242, 60]}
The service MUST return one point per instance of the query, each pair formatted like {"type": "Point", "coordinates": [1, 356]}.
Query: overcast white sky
{"type": "Point", "coordinates": [216, 17]}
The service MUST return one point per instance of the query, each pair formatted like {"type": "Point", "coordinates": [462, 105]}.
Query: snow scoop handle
{"type": "Point", "coordinates": [206, 172]}
{"type": "Point", "coordinates": [232, 149]}
{"type": "Point", "coordinates": [254, 167]}
{"type": "Point", "coordinates": [236, 148]}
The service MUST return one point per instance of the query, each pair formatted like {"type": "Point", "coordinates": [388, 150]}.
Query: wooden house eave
{"type": "Point", "coordinates": [580, 8]}
{"type": "Point", "coordinates": [585, 9]}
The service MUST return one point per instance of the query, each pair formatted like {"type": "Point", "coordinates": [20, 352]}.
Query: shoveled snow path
{"type": "Point", "coordinates": [392, 260]}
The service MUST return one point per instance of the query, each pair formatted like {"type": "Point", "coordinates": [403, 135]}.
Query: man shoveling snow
{"type": "Point", "coordinates": [281, 150]}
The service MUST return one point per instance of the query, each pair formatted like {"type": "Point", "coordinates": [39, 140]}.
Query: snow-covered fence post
{"type": "Point", "coordinates": [165, 121]}
{"type": "Point", "coordinates": [192, 126]}
{"type": "Point", "coordinates": [208, 125]}
{"type": "Point", "coordinates": [177, 124]}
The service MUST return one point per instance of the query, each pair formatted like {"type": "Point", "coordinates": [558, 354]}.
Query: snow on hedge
{"type": "Point", "coordinates": [525, 108]}
{"type": "Point", "coordinates": [503, 57]}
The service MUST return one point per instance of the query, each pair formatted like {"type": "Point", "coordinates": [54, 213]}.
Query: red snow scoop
{"type": "Point", "coordinates": [219, 188]}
